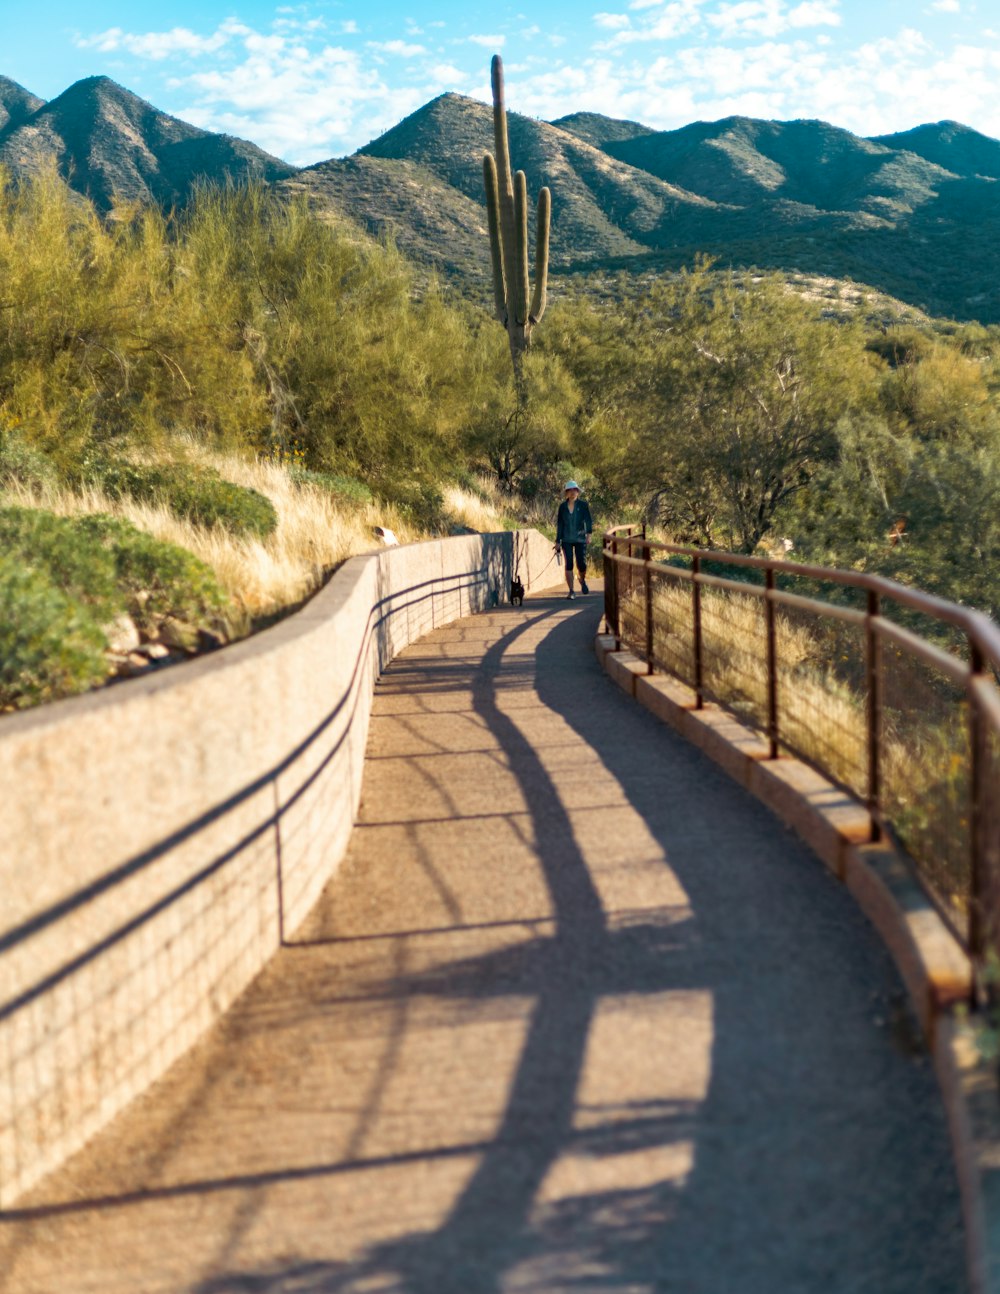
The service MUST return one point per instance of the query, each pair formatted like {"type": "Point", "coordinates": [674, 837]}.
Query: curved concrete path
{"type": "Point", "coordinates": [576, 1015]}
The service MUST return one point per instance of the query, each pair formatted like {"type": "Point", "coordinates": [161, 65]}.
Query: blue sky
{"type": "Point", "coordinates": [316, 80]}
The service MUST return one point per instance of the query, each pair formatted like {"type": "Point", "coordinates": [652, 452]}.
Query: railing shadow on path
{"type": "Point", "coordinates": [809, 1174]}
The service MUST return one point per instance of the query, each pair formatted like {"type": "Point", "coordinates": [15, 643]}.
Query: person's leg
{"type": "Point", "coordinates": [568, 555]}
{"type": "Point", "coordinates": [581, 565]}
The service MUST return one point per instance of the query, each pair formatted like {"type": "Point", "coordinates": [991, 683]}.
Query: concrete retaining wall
{"type": "Point", "coordinates": [161, 837]}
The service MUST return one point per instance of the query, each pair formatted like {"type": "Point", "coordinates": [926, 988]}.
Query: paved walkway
{"type": "Point", "coordinates": [576, 1015]}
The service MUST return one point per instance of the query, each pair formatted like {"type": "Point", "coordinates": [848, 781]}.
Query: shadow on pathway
{"type": "Point", "coordinates": [820, 1156]}
{"type": "Point", "coordinates": [706, 1099]}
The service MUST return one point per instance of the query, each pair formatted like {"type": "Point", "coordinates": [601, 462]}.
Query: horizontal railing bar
{"type": "Point", "coordinates": [967, 659]}
{"type": "Point", "coordinates": [940, 660]}
{"type": "Point", "coordinates": [730, 585]}
{"type": "Point", "coordinates": [657, 568]}
{"type": "Point", "coordinates": [978, 627]}
{"type": "Point", "coordinates": [849, 615]}
{"type": "Point", "coordinates": [639, 563]}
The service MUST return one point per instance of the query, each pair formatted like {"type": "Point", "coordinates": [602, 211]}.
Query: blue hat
{"type": "Point", "coordinates": [570, 485]}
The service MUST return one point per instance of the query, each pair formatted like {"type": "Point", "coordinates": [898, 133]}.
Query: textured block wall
{"type": "Point", "coordinates": [161, 836]}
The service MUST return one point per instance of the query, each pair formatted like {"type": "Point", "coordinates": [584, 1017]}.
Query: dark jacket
{"type": "Point", "coordinates": [573, 527]}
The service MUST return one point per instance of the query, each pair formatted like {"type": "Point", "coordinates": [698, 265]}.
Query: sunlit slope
{"type": "Point", "coordinates": [115, 147]}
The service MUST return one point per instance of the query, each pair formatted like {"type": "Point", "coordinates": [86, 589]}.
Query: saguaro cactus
{"type": "Point", "coordinates": [507, 210]}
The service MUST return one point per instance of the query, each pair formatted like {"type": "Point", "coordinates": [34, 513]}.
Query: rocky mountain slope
{"type": "Point", "coordinates": [115, 147]}
{"type": "Point", "coordinates": [16, 103]}
{"type": "Point", "coordinates": [915, 214]}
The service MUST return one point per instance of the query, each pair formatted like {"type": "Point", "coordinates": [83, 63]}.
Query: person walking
{"type": "Point", "coordinates": [574, 526]}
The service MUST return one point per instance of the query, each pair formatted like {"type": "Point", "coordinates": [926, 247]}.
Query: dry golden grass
{"type": "Point", "coordinates": [315, 533]}
{"type": "Point", "coordinates": [316, 530]}
{"type": "Point", "coordinates": [481, 511]}
{"type": "Point", "coordinates": [821, 718]}
{"type": "Point", "coordinates": [539, 512]}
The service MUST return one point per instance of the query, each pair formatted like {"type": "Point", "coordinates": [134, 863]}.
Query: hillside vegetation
{"type": "Point", "coordinates": [256, 387]}
{"type": "Point", "coordinates": [914, 214]}
{"type": "Point", "coordinates": [244, 380]}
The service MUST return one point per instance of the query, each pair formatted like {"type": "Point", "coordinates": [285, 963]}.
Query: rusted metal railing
{"type": "Point", "coordinates": [888, 691]}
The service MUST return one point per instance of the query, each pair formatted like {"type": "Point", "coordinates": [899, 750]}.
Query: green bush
{"type": "Point", "coordinates": [348, 488]}
{"type": "Point", "coordinates": [198, 494]}
{"type": "Point", "coordinates": [22, 465]}
{"type": "Point", "coordinates": [420, 503]}
{"type": "Point", "coordinates": [108, 566]}
{"type": "Point", "coordinates": [154, 577]}
{"type": "Point", "coordinates": [50, 644]}
{"type": "Point", "coordinates": [83, 571]}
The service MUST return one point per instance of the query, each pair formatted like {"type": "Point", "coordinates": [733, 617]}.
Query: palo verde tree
{"type": "Point", "coordinates": [507, 211]}
{"type": "Point", "coordinates": [741, 388]}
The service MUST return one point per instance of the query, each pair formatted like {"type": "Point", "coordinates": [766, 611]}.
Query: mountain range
{"type": "Point", "coordinates": [113, 146]}
{"type": "Point", "coordinates": [915, 214]}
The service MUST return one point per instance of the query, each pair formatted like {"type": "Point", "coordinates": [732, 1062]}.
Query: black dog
{"type": "Point", "coordinates": [516, 592]}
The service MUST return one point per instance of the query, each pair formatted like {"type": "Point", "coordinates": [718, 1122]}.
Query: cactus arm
{"type": "Point", "coordinates": [496, 250]}
{"type": "Point", "coordinates": [505, 183]}
{"type": "Point", "coordinates": [500, 124]}
{"type": "Point", "coordinates": [521, 264]}
{"type": "Point", "coordinates": [539, 298]}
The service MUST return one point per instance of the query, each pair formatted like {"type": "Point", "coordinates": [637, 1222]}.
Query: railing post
{"type": "Point", "coordinates": [699, 690]}
{"type": "Point", "coordinates": [616, 628]}
{"type": "Point", "coordinates": [873, 715]}
{"type": "Point", "coordinates": [647, 557]}
{"type": "Point", "coordinates": [772, 667]}
{"type": "Point", "coordinates": [608, 577]}
{"type": "Point", "coordinates": [978, 794]}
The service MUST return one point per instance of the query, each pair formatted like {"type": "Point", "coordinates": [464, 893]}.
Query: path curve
{"type": "Point", "coordinates": [576, 1015]}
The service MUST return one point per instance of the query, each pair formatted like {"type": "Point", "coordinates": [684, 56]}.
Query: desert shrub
{"type": "Point", "coordinates": [156, 578]}
{"type": "Point", "coordinates": [420, 503]}
{"type": "Point", "coordinates": [348, 488]}
{"type": "Point", "coordinates": [50, 643]}
{"type": "Point", "coordinates": [198, 494]}
{"type": "Point", "coordinates": [107, 566]}
{"type": "Point", "coordinates": [21, 464]}
{"type": "Point", "coordinates": [81, 570]}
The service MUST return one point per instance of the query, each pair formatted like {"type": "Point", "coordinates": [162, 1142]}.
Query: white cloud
{"type": "Point", "coordinates": [306, 97]}
{"type": "Point", "coordinates": [445, 73]}
{"type": "Point", "coordinates": [947, 6]}
{"type": "Point", "coordinates": [158, 45]}
{"type": "Point", "coordinates": [299, 24]}
{"type": "Point", "coordinates": [673, 20]}
{"type": "Point", "coordinates": [398, 47]}
{"type": "Point", "coordinates": [771, 18]}
{"type": "Point", "coordinates": [874, 88]}
{"type": "Point", "coordinates": [348, 27]}
{"type": "Point", "coordinates": [815, 13]}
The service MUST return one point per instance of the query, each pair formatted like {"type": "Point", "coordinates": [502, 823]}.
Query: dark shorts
{"type": "Point", "coordinates": [581, 556]}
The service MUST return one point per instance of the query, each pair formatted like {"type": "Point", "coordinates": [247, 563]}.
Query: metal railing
{"type": "Point", "coordinates": [889, 692]}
